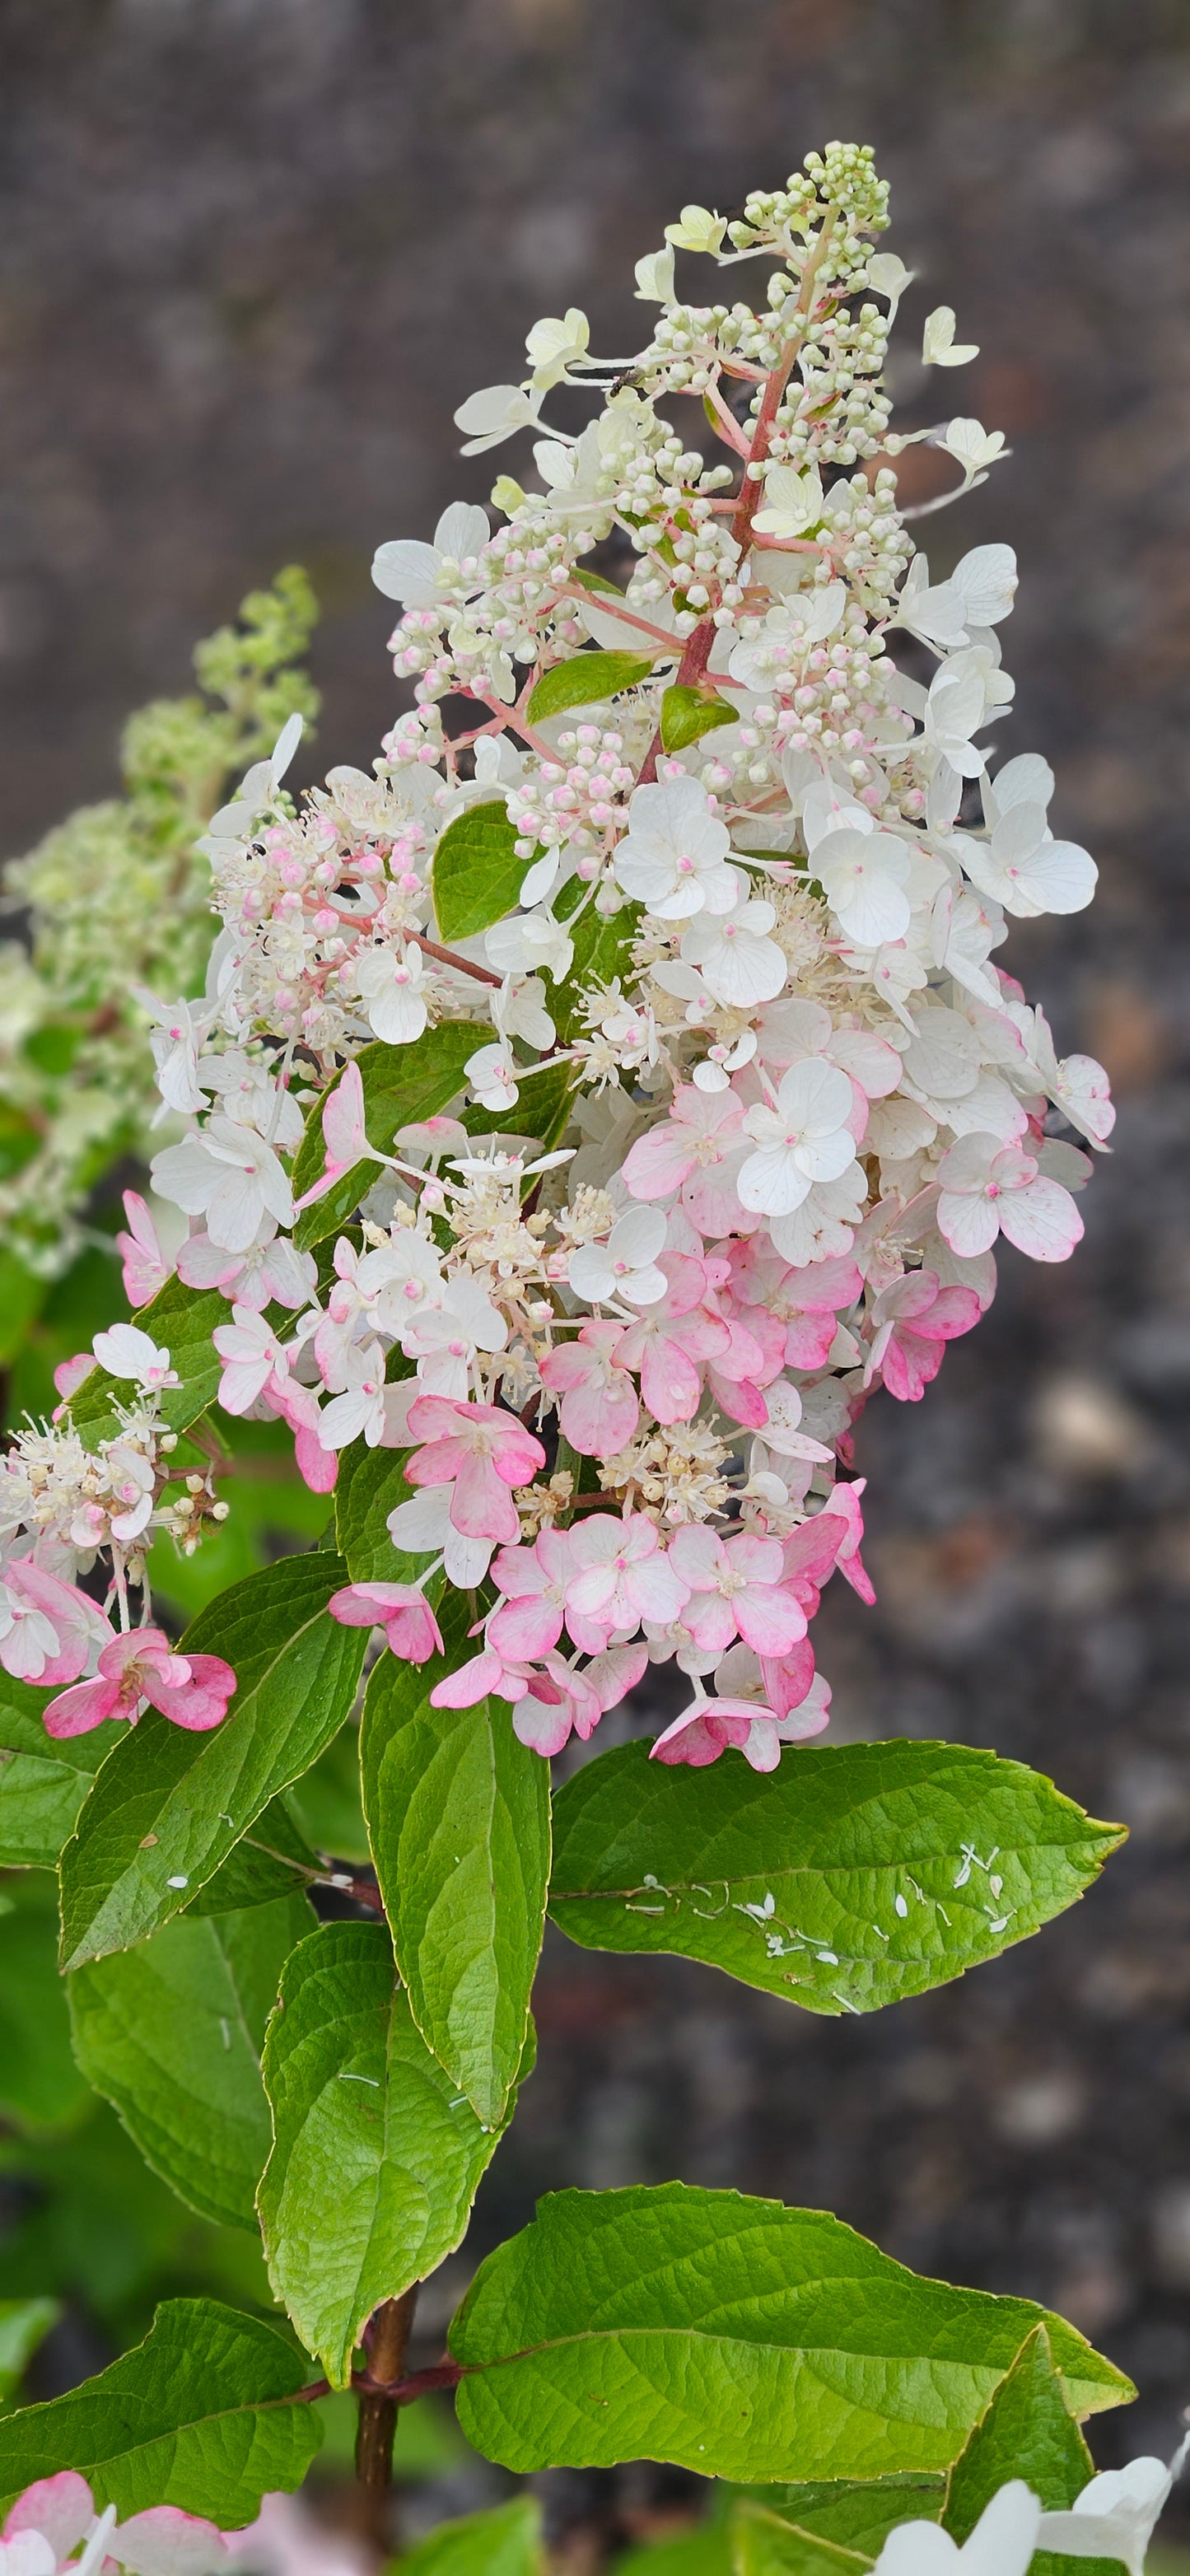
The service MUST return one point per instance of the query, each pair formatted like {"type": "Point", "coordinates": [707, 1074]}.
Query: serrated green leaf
{"type": "Point", "coordinates": [199, 2415]}
{"type": "Point", "coordinates": [843, 1881]}
{"type": "Point", "coordinates": [24, 2323]}
{"type": "Point", "coordinates": [168, 1805]}
{"type": "Point", "coordinates": [272, 1860]}
{"type": "Point", "coordinates": [401, 1084]}
{"type": "Point", "coordinates": [477, 873]}
{"type": "Point", "coordinates": [171, 2035]}
{"type": "Point", "coordinates": [42, 1782]}
{"type": "Point", "coordinates": [1027, 2432]}
{"type": "Point", "coordinates": [40, 2085]}
{"type": "Point", "coordinates": [686, 714]}
{"type": "Point", "coordinates": [504, 2541]}
{"type": "Point", "coordinates": [857, 2513]}
{"type": "Point", "coordinates": [376, 2159]}
{"type": "Point", "coordinates": [458, 1817]}
{"type": "Point", "coordinates": [181, 1320]}
{"type": "Point", "coordinates": [734, 2337]}
{"type": "Point", "coordinates": [586, 680]}
{"type": "Point", "coordinates": [764, 2544]}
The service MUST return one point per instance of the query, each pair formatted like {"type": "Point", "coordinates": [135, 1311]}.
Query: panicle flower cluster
{"type": "Point", "coordinates": [115, 899]}
{"type": "Point", "coordinates": [750, 1100]}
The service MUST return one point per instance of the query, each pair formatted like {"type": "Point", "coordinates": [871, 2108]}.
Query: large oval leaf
{"type": "Point", "coordinates": [854, 1875]}
{"type": "Point", "coordinates": [168, 1806]}
{"type": "Point", "coordinates": [43, 1782]}
{"type": "Point", "coordinates": [458, 1818]}
{"type": "Point", "coordinates": [200, 2415]}
{"type": "Point", "coordinates": [171, 2034]}
{"type": "Point", "coordinates": [586, 680]}
{"type": "Point", "coordinates": [376, 2160]}
{"type": "Point", "coordinates": [477, 873]}
{"type": "Point", "coordinates": [735, 2337]}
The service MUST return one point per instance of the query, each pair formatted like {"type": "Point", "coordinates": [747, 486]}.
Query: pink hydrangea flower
{"type": "Point", "coordinates": [695, 1156]}
{"type": "Point", "coordinates": [145, 1266]}
{"type": "Point", "coordinates": [533, 1580]}
{"type": "Point", "coordinates": [252, 1357]}
{"type": "Point", "coordinates": [481, 1452]}
{"type": "Point", "coordinates": [811, 1554]}
{"type": "Point", "coordinates": [48, 1629]}
{"type": "Point", "coordinates": [623, 1574]}
{"type": "Point", "coordinates": [46, 2524]}
{"type": "Point", "coordinates": [757, 1707]}
{"type": "Point", "coordinates": [914, 1319]}
{"type": "Point", "coordinates": [561, 1700]}
{"type": "Point", "coordinates": [599, 1408]}
{"type": "Point", "coordinates": [843, 1501]}
{"type": "Point", "coordinates": [344, 1135]}
{"type": "Point", "coordinates": [990, 1189]}
{"type": "Point", "coordinates": [668, 1340]}
{"type": "Point", "coordinates": [735, 1590]}
{"type": "Point", "coordinates": [411, 1631]}
{"type": "Point", "coordinates": [138, 1667]}
{"type": "Point", "coordinates": [298, 1406]}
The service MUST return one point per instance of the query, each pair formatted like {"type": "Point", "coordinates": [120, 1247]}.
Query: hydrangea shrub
{"type": "Point", "coordinates": [586, 1114]}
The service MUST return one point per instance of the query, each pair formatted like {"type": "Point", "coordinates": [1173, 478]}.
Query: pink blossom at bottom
{"type": "Point", "coordinates": [140, 1666]}
{"type": "Point", "coordinates": [46, 2524]}
{"type": "Point", "coordinates": [298, 1406]}
{"type": "Point", "coordinates": [48, 1629]}
{"type": "Point", "coordinates": [145, 1266]}
{"type": "Point", "coordinates": [843, 1501]}
{"type": "Point", "coordinates": [562, 1699]}
{"type": "Point", "coordinates": [411, 1631]}
{"type": "Point", "coordinates": [480, 1451]}
{"type": "Point", "coordinates": [705, 1730]}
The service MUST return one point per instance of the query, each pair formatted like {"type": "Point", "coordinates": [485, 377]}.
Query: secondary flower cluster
{"type": "Point", "coordinates": [763, 870]}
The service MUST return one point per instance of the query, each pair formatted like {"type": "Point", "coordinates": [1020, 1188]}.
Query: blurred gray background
{"type": "Point", "coordinates": [252, 253]}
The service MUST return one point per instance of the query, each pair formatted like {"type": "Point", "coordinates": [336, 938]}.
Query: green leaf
{"type": "Point", "coordinates": [688, 713]}
{"type": "Point", "coordinates": [602, 952]}
{"type": "Point", "coordinates": [327, 1802]}
{"type": "Point", "coordinates": [842, 1881]}
{"type": "Point", "coordinates": [764, 2544]}
{"type": "Point", "coordinates": [24, 2323]}
{"type": "Point", "coordinates": [370, 1485]}
{"type": "Point", "coordinates": [735, 2337]}
{"type": "Point", "coordinates": [168, 1805]}
{"type": "Point", "coordinates": [504, 2541]}
{"type": "Point", "coordinates": [587, 679]}
{"type": "Point", "coordinates": [858, 2513]}
{"type": "Point", "coordinates": [42, 1781]}
{"type": "Point", "coordinates": [458, 1817]}
{"type": "Point", "coordinates": [171, 2035]}
{"type": "Point", "coordinates": [181, 1320]}
{"type": "Point", "coordinates": [400, 1084]}
{"type": "Point", "coordinates": [477, 873]}
{"type": "Point", "coordinates": [376, 2159]}
{"type": "Point", "coordinates": [199, 2415]}
{"type": "Point", "coordinates": [1027, 2432]}
{"type": "Point", "coordinates": [40, 2085]}
{"type": "Point", "coordinates": [705, 2551]}
{"type": "Point", "coordinates": [273, 1860]}
{"type": "Point", "coordinates": [541, 1108]}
